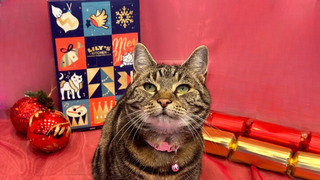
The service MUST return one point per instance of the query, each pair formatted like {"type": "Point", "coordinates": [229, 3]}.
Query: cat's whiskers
{"type": "Point", "coordinates": [203, 130]}
{"type": "Point", "coordinates": [152, 109]}
{"type": "Point", "coordinates": [188, 126]}
{"type": "Point", "coordinates": [194, 121]}
{"type": "Point", "coordinates": [193, 130]}
{"type": "Point", "coordinates": [133, 122]}
{"type": "Point", "coordinates": [208, 125]}
{"type": "Point", "coordinates": [129, 122]}
{"type": "Point", "coordinates": [198, 125]}
{"type": "Point", "coordinates": [206, 132]}
{"type": "Point", "coordinates": [199, 118]}
{"type": "Point", "coordinates": [142, 122]}
{"type": "Point", "coordinates": [128, 115]}
{"type": "Point", "coordinates": [142, 119]}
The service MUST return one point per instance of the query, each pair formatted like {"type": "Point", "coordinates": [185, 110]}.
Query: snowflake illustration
{"type": "Point", "coordinates": [124, 17]}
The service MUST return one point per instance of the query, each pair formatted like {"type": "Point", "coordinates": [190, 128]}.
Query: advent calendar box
{"type": "Point", "coordinates": [93, 46]}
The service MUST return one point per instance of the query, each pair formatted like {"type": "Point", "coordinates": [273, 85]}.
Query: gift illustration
{"type": "Point", "coordinates": [70, 55]}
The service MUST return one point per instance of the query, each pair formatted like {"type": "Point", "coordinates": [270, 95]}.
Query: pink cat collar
{"type": "Point", "coordinates": [164, 146]}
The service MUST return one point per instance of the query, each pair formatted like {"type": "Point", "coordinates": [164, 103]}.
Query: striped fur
{"type": "Point", "coordinates": [141, 120]}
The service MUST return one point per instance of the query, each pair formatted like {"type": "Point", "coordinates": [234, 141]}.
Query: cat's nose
{"type": "Point", "coordinates": [164, 102]}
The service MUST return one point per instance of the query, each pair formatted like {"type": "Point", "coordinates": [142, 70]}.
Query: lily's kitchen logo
{"type": "Point", "coordinates": [98, 51]}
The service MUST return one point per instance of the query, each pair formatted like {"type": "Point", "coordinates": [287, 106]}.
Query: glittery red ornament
{"type": "Point", "coordinates": [48, 130]}
{"type": "Point", "coordinates": [24, 108]}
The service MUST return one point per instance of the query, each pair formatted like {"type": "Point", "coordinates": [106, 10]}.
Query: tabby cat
{"type": "Point", "coordinates": [154, 131]}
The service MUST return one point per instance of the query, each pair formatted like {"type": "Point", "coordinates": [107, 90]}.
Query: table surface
{"type": "Point", "coordinates": [19, 160]}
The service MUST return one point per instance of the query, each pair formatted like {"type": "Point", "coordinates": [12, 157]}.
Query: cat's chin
{"type": "Point", "coordinates": [164, 124]}
{"type": "Point", "coordinates": [164, 133]}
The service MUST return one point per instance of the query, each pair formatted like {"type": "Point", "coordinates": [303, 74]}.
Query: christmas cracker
{"type": "Point", "coordinates": [264, 145]}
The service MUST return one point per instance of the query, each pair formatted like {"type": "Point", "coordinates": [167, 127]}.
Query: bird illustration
{"type": "Point", "coordinates": [99, 19]}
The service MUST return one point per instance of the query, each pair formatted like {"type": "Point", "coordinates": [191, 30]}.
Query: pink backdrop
{"type": "Point", "coordinates": [264, 63]}
{"type": "Point", "coordinates": [264, 55]}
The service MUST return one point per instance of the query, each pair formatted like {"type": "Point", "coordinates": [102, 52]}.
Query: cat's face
{"type": "Point", "coordinates": [127, 58]}
{"type": "Point", "coordinates": [76, 78]}
{"type": "Point", "coordinates": [168, 97]}
{"type": "Point", "coordinates": [166, 100]}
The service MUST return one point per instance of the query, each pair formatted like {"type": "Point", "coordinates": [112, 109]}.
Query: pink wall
{"type": "Point", "coordinates": [26, 54]}
{"type": "Point", "coordinates": [264, 55]}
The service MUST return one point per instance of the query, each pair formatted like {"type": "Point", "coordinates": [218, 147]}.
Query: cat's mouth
{"type": "Point", "coordinates": [164, 115]}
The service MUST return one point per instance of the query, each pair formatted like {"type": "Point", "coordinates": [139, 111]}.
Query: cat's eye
{"type": "Point", "coordinates": [149, 87]}
{"type": "Point", "coordinates": [183, 88]}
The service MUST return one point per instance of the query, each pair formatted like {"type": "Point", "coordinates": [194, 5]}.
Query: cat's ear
{"type": "Point", "coordinates": [142, 59]}
{"type": "Point", "coordinates": [197, 63]}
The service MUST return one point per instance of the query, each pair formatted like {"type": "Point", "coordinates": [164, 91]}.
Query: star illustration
{"type": "Point", "coordinates": [88, 23]}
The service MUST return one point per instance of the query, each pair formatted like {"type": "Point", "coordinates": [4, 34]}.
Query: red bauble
{"type": "Point", "coordinates": [22, 110]}
{"type": "Point", "coordinates": [48, 130]}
